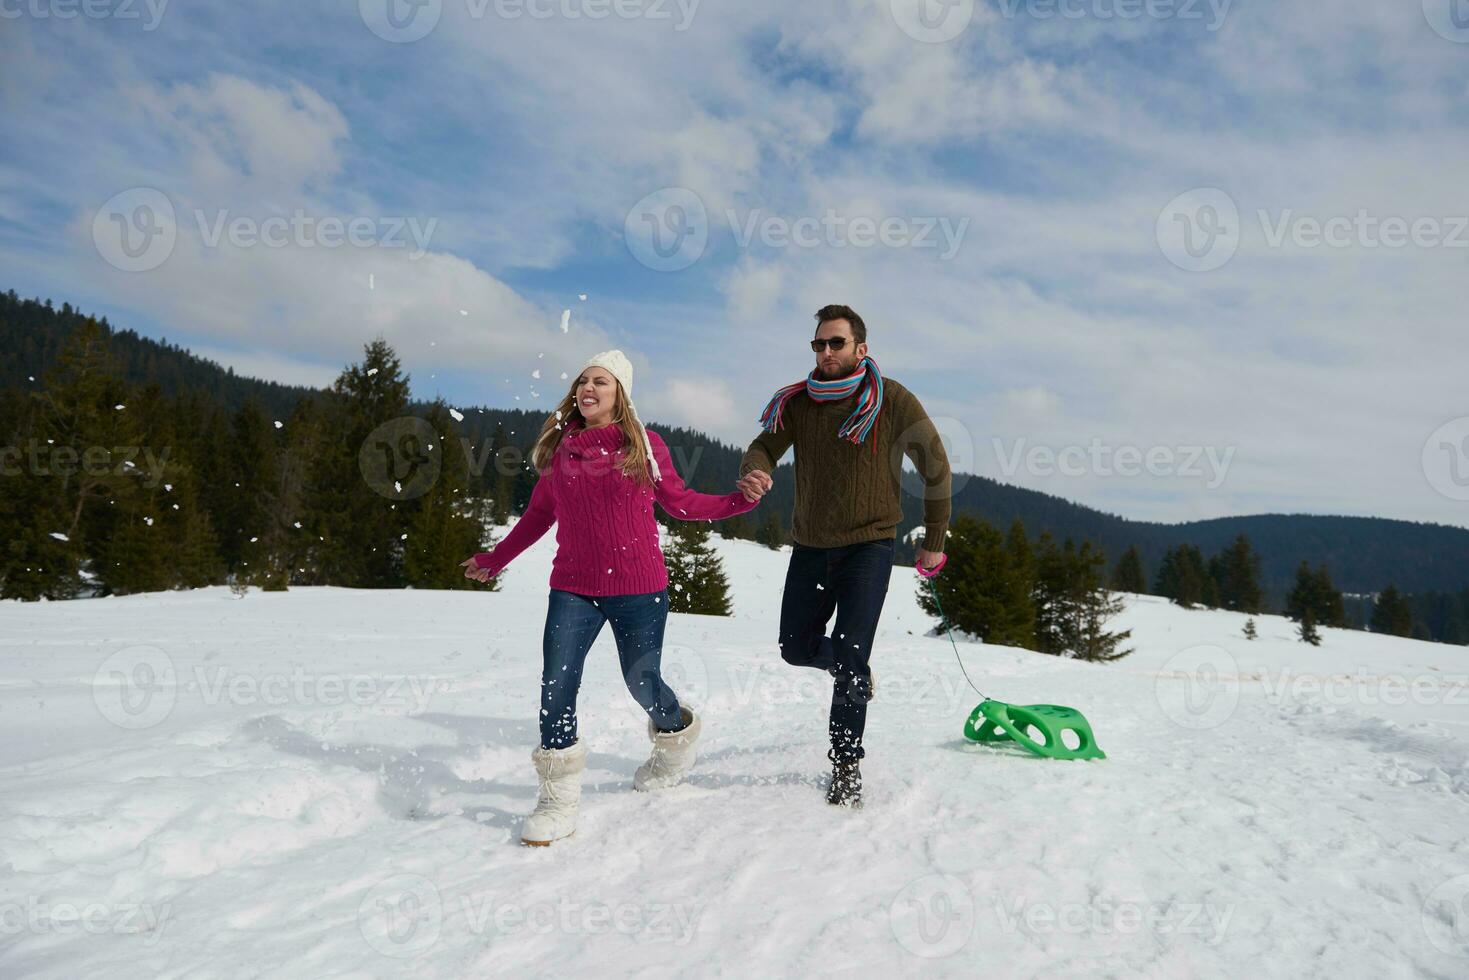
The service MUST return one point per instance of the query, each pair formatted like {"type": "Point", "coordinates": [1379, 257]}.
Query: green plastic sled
{"type": "Point", "coordinates": [995, 721]}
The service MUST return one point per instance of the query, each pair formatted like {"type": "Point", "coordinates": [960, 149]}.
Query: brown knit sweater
{"type": "Point", "coordinates": [846, 493]}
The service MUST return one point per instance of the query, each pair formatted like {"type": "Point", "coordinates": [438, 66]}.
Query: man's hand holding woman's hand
{"type": "Point", "coordinates": [754, 484]}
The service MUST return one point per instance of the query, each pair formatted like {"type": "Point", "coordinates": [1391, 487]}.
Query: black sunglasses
{"type": "Point", "coordinates": [835, 343]}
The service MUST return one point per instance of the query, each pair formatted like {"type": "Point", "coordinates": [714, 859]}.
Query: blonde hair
{"type": "Point", "coordinates": [635, 462]}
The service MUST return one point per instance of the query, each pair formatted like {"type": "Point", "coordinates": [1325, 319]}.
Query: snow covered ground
{"type": "Point", "coordinates": [329, 783]}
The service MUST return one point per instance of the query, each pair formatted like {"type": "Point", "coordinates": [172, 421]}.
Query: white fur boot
{"type": "Point", "coordinates": [559, 796]}
{"type": "Point", "coordinates": [673, 754]}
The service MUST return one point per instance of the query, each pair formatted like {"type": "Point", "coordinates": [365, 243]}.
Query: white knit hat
{"type": "Point", "coordinates": [615, 363]}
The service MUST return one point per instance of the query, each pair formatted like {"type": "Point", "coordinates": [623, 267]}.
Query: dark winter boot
{"type": "Point", "coordinates": [846, 784]}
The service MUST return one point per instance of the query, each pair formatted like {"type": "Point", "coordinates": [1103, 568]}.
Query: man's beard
{"type": "Point", "coordinates": [836, 371]}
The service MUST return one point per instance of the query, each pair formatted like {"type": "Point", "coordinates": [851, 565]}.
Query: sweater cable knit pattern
{"type": "Point", "coordinates": [848, 494]}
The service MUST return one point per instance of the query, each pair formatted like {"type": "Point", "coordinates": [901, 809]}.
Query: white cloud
{"type": "Point", "coordinates": [243, 136]}
{"type": "Point", "coordinates": [699, 402]}
{"type": "Point", "coordinates": [270, 366]}
{"type": "Point", "coordinates": [1059, 146]}
{"type": "Point", "coordinates": [753, 289]}
{"type": "Point", "coordinates": [1032, 401]}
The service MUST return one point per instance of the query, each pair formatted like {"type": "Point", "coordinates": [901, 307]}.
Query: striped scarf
{"type": "Point", "coordinates": [859, 423]}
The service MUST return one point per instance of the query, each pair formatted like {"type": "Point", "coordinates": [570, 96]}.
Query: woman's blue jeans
{"type": "Point", "coordinates": [572, 624]}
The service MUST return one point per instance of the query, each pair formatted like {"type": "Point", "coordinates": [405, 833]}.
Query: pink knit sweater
{"type": "Point", "coordinates": [606, 538]}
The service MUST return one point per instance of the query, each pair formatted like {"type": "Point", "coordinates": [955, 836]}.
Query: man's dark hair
{"type": "Point", "coordinates": [837, 311]}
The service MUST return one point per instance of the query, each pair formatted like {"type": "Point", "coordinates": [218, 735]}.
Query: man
{"type": "Point", "coordinates": [851, 428]}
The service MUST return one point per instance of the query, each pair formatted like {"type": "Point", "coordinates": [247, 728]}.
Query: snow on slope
{"type": "Point", "coordinates": [329, 783]}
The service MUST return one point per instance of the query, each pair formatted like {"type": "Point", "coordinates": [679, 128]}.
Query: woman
{"type": "Point", "coordinates": [600, 472]}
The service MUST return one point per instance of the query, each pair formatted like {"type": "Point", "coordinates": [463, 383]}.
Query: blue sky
{"type": "Point", "coordinates": [1039, 181]}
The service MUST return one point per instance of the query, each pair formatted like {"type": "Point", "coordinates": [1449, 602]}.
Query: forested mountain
{"type": "Point", "coordinates": [1364, 554]}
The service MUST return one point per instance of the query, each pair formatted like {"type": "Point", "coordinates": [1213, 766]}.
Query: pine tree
{"type": "Point", "coordinates": [1251, 632]}
{"type": "Point", "coordinates": [33, 563]}
{"type": "Point", "coordinates": [1128, 575]}
{"type": "Point", "coordinates": [252, 460]}
{"type": "Point", "coordinates": [1072, 604]}
{"type": "Point", "coordinates": [737, 528]}
{"type": "Point", "coordinates": [1211, 596]}
{"type": "Point", "coordinates": [696, 580]}
{"type": "Point", "coordinates": [1392, 614]}
{"type": "Point", "coordinates": [444, 526]}
{"type": "Point", "coordinates": [136, 554]}
{"type": "Point", "coordinates": [77, 425]}
{"type": "Point", "coordinates": [1238, 572]}
{"type": "Point", "coordinates": [1182, 576]}
{"type": "Point", "coordinates": [1308, 632]}
{"type": "Point", "coordinates": [196, 561]}
{"type": "Point", "coordinates": [1314, 594]}
{"type": "Point", "coordinates": [373, 457]}
{"type": "Point", "coordinates": [1302, 596]}
{"type": "Point", "coordinates": [1096, 607]}
{"type": "Point", "coordinates": [36, 560]}
{"type": "Point", "coordinates": [1021, 557]}
{"type": "Point", "coordinates": [1332, 611]}
{"type": "Point", "coordinates": [771, 534]}
{"type": "Point", "coordinates": [503, 478]}
{"type": "Point", "coordinates": [277, 549]}
{"type": "Point", "coordinates": [985, 587]}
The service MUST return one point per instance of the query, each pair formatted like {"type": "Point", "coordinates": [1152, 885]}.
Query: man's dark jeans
{"type": "Point", "coordinates": [851, 581]}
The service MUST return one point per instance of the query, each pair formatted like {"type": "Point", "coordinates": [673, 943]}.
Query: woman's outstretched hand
{"type": "Point", "coordinates": [471, 570]}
